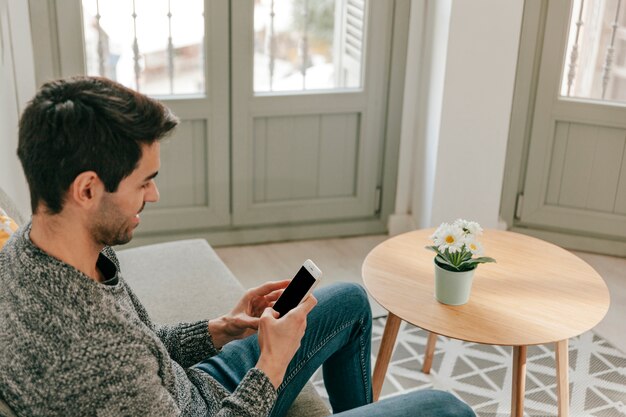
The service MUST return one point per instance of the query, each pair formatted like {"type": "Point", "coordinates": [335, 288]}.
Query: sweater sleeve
{"type": "Point", "coordinates": [187, 343]}
{"type": "Point", "coordinates": [254, 396]}
{"type": "Point", "coordinates": [139, 388]}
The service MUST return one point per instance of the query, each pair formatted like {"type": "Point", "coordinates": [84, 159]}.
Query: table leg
{"type": "Point", "coordinates": [519, 381]}
{"type": "Point", "coordinates": [562, 380]}
{"type": "Point", "coordinates": [430, 351]}
{"type": "Point", "coordinates": [384, 353]}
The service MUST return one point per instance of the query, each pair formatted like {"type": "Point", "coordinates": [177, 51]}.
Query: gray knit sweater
{"type": "Point", "coordinates": [70, 346]}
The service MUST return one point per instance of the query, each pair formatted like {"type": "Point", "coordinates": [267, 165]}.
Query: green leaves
{"type": "Point", "coordinates": [445, 264]}
{"type": "Point", "coordinates": [483, 260]}
{"type": "Point", "coordinates": [459, 261]}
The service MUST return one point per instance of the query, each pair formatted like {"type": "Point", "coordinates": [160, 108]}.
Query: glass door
{"type": "Point", "coordinates": [308, 118]}
{"type": "Point", "coordinates": [576, 174]}
{"type": "Point", "coordinates": [282, 103]}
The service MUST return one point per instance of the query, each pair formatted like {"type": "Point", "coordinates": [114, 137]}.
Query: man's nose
{"type": "Point", "coordinates": [152, 196]}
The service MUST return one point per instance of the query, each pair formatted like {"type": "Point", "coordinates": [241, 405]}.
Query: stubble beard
{"type": "Point", "coordinates": [111, 228]}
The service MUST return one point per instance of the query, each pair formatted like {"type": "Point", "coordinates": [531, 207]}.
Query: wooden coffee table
{"type": "Point", "coordinates": [536, 293]}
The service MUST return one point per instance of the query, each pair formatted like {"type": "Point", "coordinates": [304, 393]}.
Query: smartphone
{"type": "Point", "coordinates": [299, 288]}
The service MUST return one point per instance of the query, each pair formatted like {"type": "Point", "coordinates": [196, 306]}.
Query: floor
{"type": "Point", "coordinates": [340, 259]}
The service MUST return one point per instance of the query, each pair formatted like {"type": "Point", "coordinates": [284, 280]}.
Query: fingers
{"type": "Point", "coordinates": [305, 306]}
{"type": "Point", "coordinates": [274, 295]}
{"type": "Point", "coordinates": [270, 287]}
{"type": "Point", "coordinates": [271, 298]}
{"type": "Point", "coordinates": [270, 312]}
{"type": "Point", "coordinates": [248, 322]}
{"type": "Point", "coordinates": [309, 303]}
{"type": "Point", "coordinates": [258, 303]}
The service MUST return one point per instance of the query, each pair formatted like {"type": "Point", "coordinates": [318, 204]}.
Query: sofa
{"type": "Point", "coordinates": [182, 281]}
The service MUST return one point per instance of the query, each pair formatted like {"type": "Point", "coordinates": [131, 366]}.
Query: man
{"type": "Point", "coordinates": [77, 341]}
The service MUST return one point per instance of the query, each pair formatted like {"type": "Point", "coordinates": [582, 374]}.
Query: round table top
{"type": "Point", "coordinates": [536, 293]}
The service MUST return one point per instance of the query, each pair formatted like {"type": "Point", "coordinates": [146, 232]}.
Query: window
{"type": "Point", "coordinates": [302, 45]}
{"type": "Point", "coordinates": [153, 46]}
{"type": "Point", "coordinates": [595, 65]}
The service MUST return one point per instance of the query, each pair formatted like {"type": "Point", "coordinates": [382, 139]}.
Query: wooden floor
{"type": "Point", "coordinates": [340, 259]}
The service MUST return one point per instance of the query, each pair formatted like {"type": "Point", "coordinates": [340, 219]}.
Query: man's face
{"type": "Point", "coordinates": [118, 213]}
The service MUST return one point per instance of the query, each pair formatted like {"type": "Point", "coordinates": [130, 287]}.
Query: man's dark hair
{"type": "Point", "coordinates": [85, 124]}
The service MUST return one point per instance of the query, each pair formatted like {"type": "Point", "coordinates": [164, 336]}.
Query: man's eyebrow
{"type": "Point", "coordinates": [149, 177]}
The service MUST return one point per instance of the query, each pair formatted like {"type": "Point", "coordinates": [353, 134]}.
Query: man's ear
{"type": "Point", "coordinates": [86, 189]}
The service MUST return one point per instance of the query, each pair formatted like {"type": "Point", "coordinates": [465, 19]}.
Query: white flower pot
{"type": "Point", "coordinates": [453, 288]}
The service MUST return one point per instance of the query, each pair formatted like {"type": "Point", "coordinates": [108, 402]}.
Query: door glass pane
{"type": "Point", "coordinates": [595, 65]}
{"type": "Point", "coordinates": [153, 46]}
{"type": "Point", "coordinates": [303, 45]}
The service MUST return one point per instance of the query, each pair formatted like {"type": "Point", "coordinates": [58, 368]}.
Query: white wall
{"type": "Point", "coordinates": [462, 112]}
{"type": "Point", "coordinates": [424, 81]}
{"type": "Point", "coordinates": [17, 86]}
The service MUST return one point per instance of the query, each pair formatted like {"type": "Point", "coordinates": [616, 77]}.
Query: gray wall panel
{"type": "Point", "coordinates": [291, 158]}
{"type": "Point", "coordinates": [200, 164]}
{"type": "Point", "coordinates": [259, 141]}
{"type": "Point", "coordinates": [592, 159]}
{"type": "Point", "coordinates": [607, 161]}
{"type": "Point", "coordinates": [561, 134]}
{"type": "Point", "coordinates": [339, 151]}
{"type": "Point", "coordinates": [305, 157]}
{"type": "Point", "coordinates": [620, 198]}
{"type": "Point", "coordinates": [182, 178]}
{"type": "Point", "coordinates": [578, 167]}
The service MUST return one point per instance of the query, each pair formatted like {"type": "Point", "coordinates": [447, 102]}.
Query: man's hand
{"type": "Point", "coordinates": [243, 320]}
{"type": "Point", "coordinates": [279, 339]}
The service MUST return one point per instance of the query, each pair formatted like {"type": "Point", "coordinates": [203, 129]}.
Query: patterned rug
{"type": "Point", "coordinates": [481, 374]}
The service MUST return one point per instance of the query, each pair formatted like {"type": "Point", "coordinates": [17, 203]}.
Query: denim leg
{"type": "Point", "coordinates": [338, 335]}
{"type": "Point", "coordinates": [233, 362]}
{"type": "Point", "coordinates": [425, 403]}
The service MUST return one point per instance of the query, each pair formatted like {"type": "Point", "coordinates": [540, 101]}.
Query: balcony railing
{"type": "Point", "coordinates": [595, 67]}
{"type": "Point", "coordinates": [153, 46]}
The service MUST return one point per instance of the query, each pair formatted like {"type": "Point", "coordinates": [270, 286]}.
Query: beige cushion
{"type": "Point", "coordinates": [180, 281]}
{"type": "Point", "coordinates": [308, 404]}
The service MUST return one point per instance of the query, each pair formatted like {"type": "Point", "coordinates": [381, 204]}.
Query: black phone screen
{"type": "Point", "coordinates": [295, 291]}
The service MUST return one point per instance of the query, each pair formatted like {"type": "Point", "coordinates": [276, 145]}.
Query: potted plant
{"type": "Point", "coordinates": [458, 254]}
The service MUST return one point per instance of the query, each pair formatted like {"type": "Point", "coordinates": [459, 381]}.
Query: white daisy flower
{"type": "Point", "coordinates": [449, 236]}
{"type": "Point", "coordinates": [472, 227]}
{"type": "Point", "coordinates": [474, 246]}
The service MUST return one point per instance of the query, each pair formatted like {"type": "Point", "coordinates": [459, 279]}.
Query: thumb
{"type": "Point", "coordinates": [269, 311]}
{"type": "Point", "coordinates": [308, 304]}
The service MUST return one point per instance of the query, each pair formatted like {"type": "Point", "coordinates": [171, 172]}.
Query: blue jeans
{"type": "Point", "coordinates": [338, 338]}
